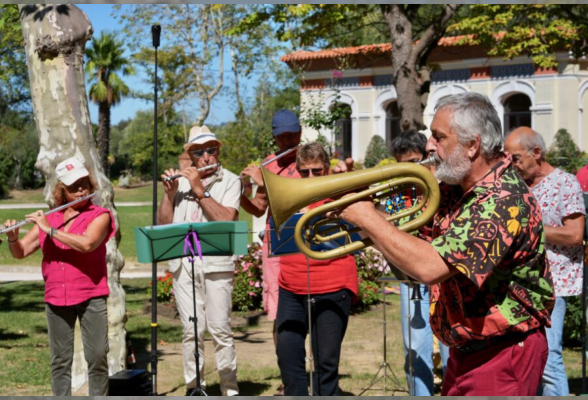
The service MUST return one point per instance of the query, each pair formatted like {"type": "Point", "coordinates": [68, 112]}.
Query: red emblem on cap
{"type": "Point", "coordinates": [69, 167]}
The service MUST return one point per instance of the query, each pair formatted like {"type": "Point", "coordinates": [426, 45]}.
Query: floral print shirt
{"type": "Point", "coordinates": [559, 195]}
{"type": "Point", "coordinates": [494, 237]}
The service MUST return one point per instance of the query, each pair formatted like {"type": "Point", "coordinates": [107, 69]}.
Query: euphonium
{"type": "Point", "coordinates": [286, 196]}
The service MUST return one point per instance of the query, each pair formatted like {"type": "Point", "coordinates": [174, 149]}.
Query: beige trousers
{"type": "Point", "coordinates": [213, 308]}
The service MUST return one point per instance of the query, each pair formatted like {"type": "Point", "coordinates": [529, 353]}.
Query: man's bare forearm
{"type": "Point", "coordinates": [215, 211]}
{"type": "Point", "coordinates": [165, 213]}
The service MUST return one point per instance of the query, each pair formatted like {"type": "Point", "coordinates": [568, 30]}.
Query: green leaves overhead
{"type": "Point", "coordinates": [534, 30]}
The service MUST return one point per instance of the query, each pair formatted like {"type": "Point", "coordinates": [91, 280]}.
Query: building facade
{"type": "Point", "coordinates": [545, 99]}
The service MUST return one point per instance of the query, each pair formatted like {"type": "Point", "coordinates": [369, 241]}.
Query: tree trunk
{"type": "Point", "coordinates": [404, 74]}
{"type": "Point", "coordinates": [104, 134]}
{"type": "Point", "coordinates": [18, 180]}
{"type": "Point", "coordinates": [54, 40]}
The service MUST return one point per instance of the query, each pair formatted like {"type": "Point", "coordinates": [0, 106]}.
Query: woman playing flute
{"type": "Point", "coordinates": [73, 242]}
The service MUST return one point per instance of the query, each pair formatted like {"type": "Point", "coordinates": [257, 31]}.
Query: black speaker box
{"type": "Point", "coordinates": [130, 382]}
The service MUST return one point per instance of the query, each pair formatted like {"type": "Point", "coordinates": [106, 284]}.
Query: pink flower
{"type": "Point", "coordinates": [257, 284]}
{"type": "Point", "coordinates": [251, 283]}
{"type": "Point", "coordinates": [251, 294]}
{"type": "Point", "coordinates": [336, 74]}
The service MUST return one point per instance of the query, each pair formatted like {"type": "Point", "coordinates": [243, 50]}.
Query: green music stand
{"type": "Point", "coordinates": [168, 242]}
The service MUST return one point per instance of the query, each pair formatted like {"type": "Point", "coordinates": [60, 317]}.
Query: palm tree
{"type": "Point", "coordinates": [105, 60]}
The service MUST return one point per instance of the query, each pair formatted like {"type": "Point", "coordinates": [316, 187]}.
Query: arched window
{"type": "Point", "coordinates": [343, 130]}
{"type": "Point", "coordinates": [392, 122]}
{"type": "Point", "coordinates": [516, 112]}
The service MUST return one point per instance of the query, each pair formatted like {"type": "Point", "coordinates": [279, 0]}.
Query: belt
{"type": "Point", "coordinates": [502, 340]}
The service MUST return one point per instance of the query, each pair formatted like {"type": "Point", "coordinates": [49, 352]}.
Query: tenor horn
{"type": "Point", "coordinates": [286, 196]}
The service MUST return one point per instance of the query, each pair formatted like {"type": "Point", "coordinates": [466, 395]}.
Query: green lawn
{"type": "Point", "coordinates": [24, 351]}
{"type": "Point", "coordinates": [24, 348]}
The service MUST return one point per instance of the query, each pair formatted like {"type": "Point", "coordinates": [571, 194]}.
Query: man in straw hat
{"type": "Point", "coordinates": [204, 192]}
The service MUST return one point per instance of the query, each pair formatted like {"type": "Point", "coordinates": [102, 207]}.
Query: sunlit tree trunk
{"type": "Point", "coordinates": [104, 134]}
{"type": "Point", "coordinates": [54, 39]}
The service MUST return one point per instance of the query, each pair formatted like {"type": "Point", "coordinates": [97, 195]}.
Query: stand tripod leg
{"type": "Point", "coordinates": [410, 366]}
{"type": "Point", "coordinates": [310, 301]}
{"type": "Point", "coordinates": [384, 365]}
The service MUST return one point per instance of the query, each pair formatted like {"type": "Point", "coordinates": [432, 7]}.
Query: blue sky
{"type": "Point", "coordinates": [99, 15]}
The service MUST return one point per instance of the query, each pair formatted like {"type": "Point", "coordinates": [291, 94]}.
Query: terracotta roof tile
{"type": "Point", "coordinates": [305, 55]}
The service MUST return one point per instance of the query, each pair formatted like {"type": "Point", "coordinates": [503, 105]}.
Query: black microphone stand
{"type": "Point", "coordinates": [155, 33]}
{"type": "Point", "coordinates": [198, 389]}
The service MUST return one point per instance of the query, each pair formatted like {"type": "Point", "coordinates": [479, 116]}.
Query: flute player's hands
{"type": "Point", "coordinates": [254, 172]}
{"type": "Point", "coordinates": [39, 219]}
{"type": "Point", "coordinates": [170, 187]}
{"type": "Point", "coordinates": [13, 234]}
{"type": "Point", "coordinates": [193, 175]}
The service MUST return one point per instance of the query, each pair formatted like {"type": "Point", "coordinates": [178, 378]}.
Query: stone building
{"type": "Point", "coordinates": [545, 99]}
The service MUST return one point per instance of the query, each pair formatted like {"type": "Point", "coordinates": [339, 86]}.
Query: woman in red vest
{"type": "Point", "coordinates": [73, 242]}
{"type": "Point", "coordinates": [333, 287]}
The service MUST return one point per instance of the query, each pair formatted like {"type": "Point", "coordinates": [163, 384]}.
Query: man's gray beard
{"type": "Point", "coordinates": [455, 168]}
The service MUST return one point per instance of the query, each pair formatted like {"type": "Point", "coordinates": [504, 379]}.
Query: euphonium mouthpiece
{"type": "Point", "coordinates": [431, 160]}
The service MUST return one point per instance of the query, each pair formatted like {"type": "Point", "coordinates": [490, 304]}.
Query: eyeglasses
{"type": "Point", "coordinates": [199, 153]}
{"type": "Point", "coordinates": [83, 183]}
{"type": "Point", "coordinates": [315, 172]}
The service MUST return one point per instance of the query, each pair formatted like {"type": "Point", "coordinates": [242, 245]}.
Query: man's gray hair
{"type": "Point", "coordinates": [472, 114]}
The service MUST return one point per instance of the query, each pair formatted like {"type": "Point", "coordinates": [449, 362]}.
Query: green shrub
{"type": "Point", "coordinates": [165, 289]}
{"type": "Point", "coordinates": [572, 333]}
{"type": "Point", "coordinates": [247, 289]}
{"type": "Point", "coordinates": [565, 154]}
{"type": "Point", "coordinates": [370, 267]}
{"type": "Point", "coordinates": [376, 152]}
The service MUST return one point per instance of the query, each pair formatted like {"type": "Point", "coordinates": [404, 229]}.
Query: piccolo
{"type": "Point", "coordinates": [271, 160]}
{"type": "Point", "coordinates": [24, 222]}
{"type": "Point", "coordinates": [171, 178]}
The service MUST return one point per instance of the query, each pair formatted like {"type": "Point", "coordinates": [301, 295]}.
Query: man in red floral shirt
{"type": "Point", "coordinates": [491, 291]}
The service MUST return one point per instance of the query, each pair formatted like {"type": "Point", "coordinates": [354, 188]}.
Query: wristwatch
{"type": "Point", "coordinates": [205, 195]}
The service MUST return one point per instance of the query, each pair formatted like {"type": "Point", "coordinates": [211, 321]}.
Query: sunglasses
{"type": "Point", "coordinates": [199, 153]}
{"type": "Point", "coordinates": [315, 172]}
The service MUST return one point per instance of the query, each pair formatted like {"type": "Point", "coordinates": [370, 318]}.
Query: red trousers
{"type": "Point", "coordinates": [502, 370]}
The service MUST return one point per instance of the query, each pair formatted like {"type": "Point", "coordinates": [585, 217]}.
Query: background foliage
{"type": "Point", "coordinates": [376, 151]}
{"type": "Point", "coordinates": [565, 154]}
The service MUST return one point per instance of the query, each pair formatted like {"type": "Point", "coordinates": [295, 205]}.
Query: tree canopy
{"type": "Point", "coordinates": [534, 30]}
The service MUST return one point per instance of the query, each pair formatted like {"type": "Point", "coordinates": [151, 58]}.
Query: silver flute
{"type": "Point", "coordinates": [24, 221]}
{"type": "Point", "coordinates": [271, 160]}
{"type": "Point", "coordinates": [171, 178]}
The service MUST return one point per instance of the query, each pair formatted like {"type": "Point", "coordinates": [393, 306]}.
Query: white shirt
{"type": "Point", "coordinates": [227, 192]}
{"type": "Point", "coordinates": [559, 195]}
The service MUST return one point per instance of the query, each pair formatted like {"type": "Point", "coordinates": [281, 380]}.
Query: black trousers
{"type": "Point", "coordinates": [330, 314]}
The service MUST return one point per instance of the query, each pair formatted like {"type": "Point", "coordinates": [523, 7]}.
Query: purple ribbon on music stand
{"type": "Point", "coordinates": [188, 245]}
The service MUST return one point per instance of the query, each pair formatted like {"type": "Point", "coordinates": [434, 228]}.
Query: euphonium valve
{"type": "Point", "coordinates": [286, 196]}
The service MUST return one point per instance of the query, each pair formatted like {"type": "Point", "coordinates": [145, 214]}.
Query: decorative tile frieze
{"type": "Point", "coordinates": [509, 71]}
{"type": "Point", "coordinates": [452, 75]}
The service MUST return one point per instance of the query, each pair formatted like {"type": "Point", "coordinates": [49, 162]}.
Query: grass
{"type": "Point", "coordinates": [24, 351]}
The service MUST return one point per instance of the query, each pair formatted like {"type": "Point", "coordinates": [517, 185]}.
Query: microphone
{"type": "Point", "coordinates": [155, 33]}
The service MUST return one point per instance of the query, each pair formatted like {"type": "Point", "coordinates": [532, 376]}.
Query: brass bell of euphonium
{"type": "Point", "coordinates": [286, 196]}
